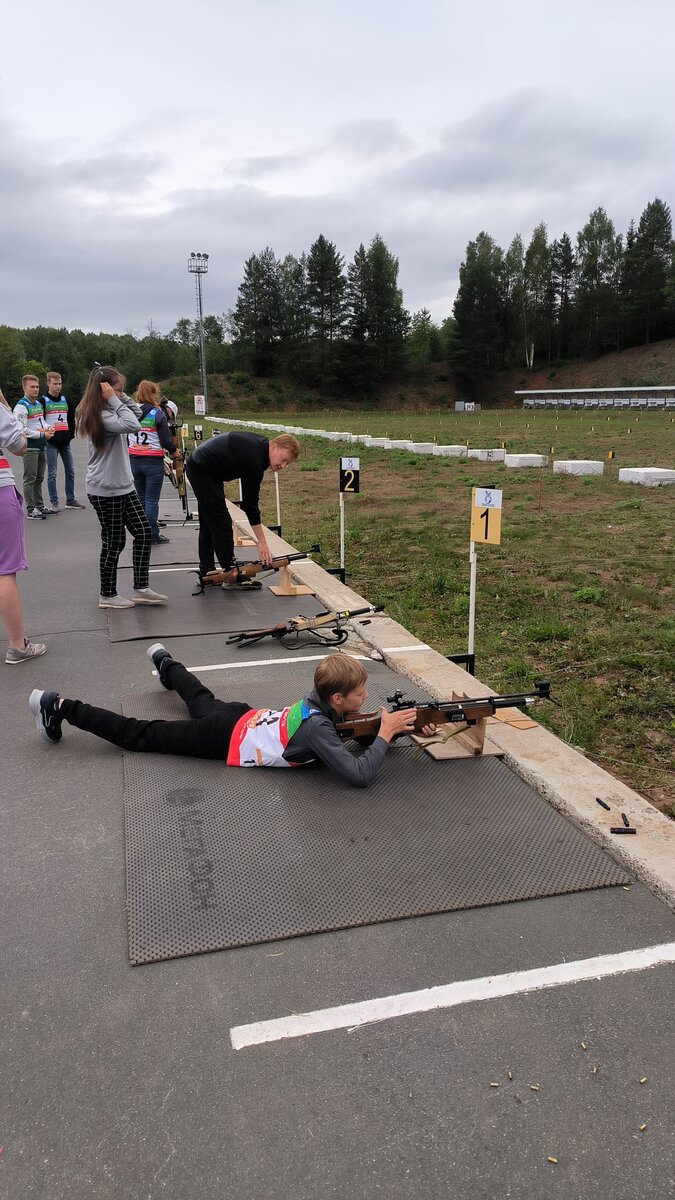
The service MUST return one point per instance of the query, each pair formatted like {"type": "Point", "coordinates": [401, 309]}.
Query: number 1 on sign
{"type": "Point", "coordinates": [486, 516]}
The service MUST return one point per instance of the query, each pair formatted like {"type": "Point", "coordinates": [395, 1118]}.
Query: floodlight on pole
{"type": "Point", "coordinates": [198, 265]}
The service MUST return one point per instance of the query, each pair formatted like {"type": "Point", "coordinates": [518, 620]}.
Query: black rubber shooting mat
{"type": "Point", "coordinates": [221, 856]}
{"type": "Point", "coordinates": [214, 612]}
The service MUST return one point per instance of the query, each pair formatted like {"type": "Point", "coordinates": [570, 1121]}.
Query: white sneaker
{"type": "Point", "coordinates": [147, 596]}
{"type": "Point", "coordinates": [115, 602]}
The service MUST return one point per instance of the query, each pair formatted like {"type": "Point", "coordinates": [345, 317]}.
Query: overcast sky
{"type": "Point", "coordinates": [135, 132]}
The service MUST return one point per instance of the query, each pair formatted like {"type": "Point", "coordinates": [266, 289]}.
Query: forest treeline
{"type": "Point", "coordinates": [343, 328]}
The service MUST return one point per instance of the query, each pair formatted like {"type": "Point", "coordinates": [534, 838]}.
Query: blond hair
{"type": "Point", "coordinates": [286, 441]}
{"type": "Point", "coordinates": [338, 673]}
{"type": "Point", "coordinates": [147, 392]}
{"type": "Point", "coordinates": [53, 375]}
{"type": "Point", "coordinates": [25, 378]}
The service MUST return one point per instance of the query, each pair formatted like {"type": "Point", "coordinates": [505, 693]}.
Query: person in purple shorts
{"type": "Point", "coordinates": [12, 546]}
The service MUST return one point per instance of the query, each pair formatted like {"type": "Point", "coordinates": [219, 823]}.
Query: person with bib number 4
{"type": "Point", "coordinates": [302, 732]}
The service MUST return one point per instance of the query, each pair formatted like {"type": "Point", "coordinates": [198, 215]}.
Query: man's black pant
{"type": "Point", "coordinates": [206, 735]}
{"type": "Point", "coordinates": [216, 536]}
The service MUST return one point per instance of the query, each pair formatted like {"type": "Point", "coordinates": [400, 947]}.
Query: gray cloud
{"type": "Point", "coordinates": [270, 164]}
{"type": "Point", "coordinates": [370, 138]}
{"type": "Point", "coordinates": [528, 140]}
{"type": "Point", "coordinates": [78, 251]}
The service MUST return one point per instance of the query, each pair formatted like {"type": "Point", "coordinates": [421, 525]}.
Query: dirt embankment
{"type": "Point", "coordinates": [641, 366]}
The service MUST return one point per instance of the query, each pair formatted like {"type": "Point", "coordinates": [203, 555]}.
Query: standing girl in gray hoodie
{"type": "Point", "coordinates": [105, 415]}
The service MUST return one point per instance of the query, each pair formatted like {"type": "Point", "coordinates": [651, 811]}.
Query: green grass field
{"type": "Point", "coordinates": [580, 589]}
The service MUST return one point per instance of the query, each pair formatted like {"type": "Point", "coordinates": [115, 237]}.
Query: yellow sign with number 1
{"type": "Point", "coordinates": [486, 515]}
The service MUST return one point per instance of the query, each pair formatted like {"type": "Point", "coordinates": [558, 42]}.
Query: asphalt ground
{"type": "Point", "coordinates": [122, 1082]}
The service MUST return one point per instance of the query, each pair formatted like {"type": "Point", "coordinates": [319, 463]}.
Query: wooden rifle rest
{"type": "Point", "coordinates": [286, 587]}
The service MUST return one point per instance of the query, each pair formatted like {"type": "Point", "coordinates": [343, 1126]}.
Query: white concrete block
{"type": "Point", "coordinates": [578, 466]}
{"type": "Point", "coordinates": [487, 455]}
{"type": "Point", "coordinates": [525, 460]}
{"type": "Point", "coordinates": [423, 447]}
{"type": "Point", "coordinates": [400, 444]}
{"type": "Point", "coordinates": [450, 451]}
{"type": "Point", "coordinates": [647, 476]}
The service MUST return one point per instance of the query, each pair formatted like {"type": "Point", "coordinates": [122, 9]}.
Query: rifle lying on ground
{"type": "Point", "coordinates": [244, 574]}
{"type": "Point", "coordinates": [325, 627]}
{"type": "Point", "coordinates": [441, 712]}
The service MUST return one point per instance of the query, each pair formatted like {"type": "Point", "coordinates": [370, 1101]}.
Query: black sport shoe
{"type": "Point", "coordinates": [45, 708]}
{"type": "Point", "coordinates": [160, 658]}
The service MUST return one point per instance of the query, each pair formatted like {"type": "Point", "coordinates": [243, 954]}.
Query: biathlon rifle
{"type": "Point", "coordinates": [244, 572]}
{"type": "Point", "coordinates": [320, 626]}
{"type": "Point", "coordinates": [441, 712]}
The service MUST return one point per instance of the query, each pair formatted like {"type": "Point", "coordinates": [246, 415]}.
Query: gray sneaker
{"type": "Point", "coordinates": [30, 650]}
{"type": "Point", "coordinates": [147, 596]}
{"type": "Point", "coordinates": [115, 602]}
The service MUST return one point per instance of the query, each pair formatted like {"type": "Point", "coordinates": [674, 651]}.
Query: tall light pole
{"type": "Point", "coordinates": [198, 265]}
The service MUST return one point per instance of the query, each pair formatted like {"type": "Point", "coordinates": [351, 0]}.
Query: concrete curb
{"type": "Point", "coordinates": [568, 780]}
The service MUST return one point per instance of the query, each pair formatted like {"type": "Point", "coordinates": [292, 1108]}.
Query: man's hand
{"type": "Point", "coordinates": [264, 552]}
{"type": "Point", "coordinates": [49, 432]}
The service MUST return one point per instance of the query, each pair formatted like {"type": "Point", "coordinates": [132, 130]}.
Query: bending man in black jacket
{"type": "Point", "coordinates": [244, 456]}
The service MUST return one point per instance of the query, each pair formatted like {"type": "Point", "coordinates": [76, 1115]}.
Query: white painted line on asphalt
{"type": "Point", "coordinates": [171, 570]}
{"type": "Point", "coordinates": [265, 662]}
{"type": "Point", "coordinates": [404, 649]}
{"type": "Point", "coordinates": [366, 1012]}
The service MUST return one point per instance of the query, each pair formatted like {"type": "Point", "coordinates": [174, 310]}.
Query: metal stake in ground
{"type": "Point", "coordinates": [486, 528]}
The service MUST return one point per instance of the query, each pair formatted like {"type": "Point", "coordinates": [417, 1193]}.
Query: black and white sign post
{"type": "Point", "coordinates": [349, 486]}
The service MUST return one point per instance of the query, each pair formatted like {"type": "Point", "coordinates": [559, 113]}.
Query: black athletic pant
{"type": "Point", "coordinates": [205, 735]}
{"type": "Point", "coordinates": [115, 513]}
{"type": "Point", "coordinates": [216, 536]}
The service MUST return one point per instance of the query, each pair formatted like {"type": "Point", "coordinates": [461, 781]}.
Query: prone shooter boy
{"type": "Point", "coordinates": [231, 731]}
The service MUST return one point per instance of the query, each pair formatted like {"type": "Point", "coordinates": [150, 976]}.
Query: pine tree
{"type": "Point", "coordinates": [326, 286]}
{"type": "Point", "coordinates": [386, 319]}
{"type": "Point", "coordinates": [599, 262]}
{"type": "Point", "coordinates": [563, 266]}
{"type": "Point", "coordinates": [257, 314]}
{"type": "Point", "coordinates": [478, 309]}
{"type": "Point", "coordinates": [650, 262]}
{"type": "Point", "coordinates": [295, 316]}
